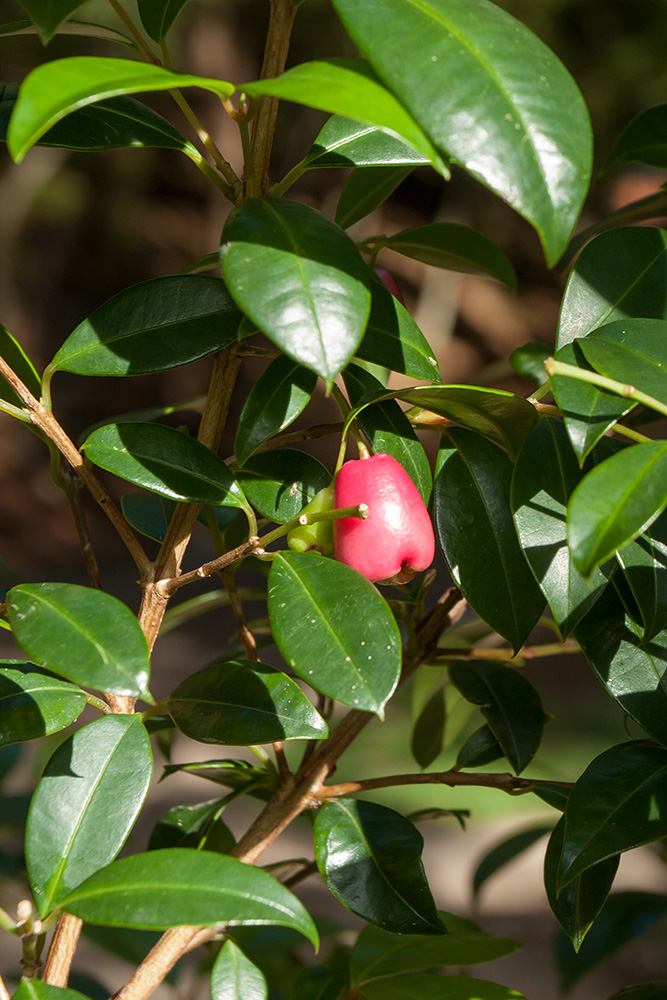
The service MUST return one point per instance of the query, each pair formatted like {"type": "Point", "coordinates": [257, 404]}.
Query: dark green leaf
{"type": "Point", "coordinates": [545, 474]}
{"type": "Point", "coordinates": [529, 361]}
{"type": "Point", "coordinates": [378, 954]}
{"type": "Point", "coordinates": [344, 142]}
{"type": "Point", "coordinates": [276, 399]}
{"type": "Point", "coordinates": [579, 903]}
{"type": "Point", "coordinates": [370, 858]}
{"type": "Point", "coordinates": [12, 352]}
{"type": "Point", "coordinates": [615, 502]}
{"type": "Point", "coordinates": [479, 749]}
{"type": "Point", "coordinates": [56, 88]}
{"type": "Point", "coordinates": [394, 340]}
{"type": "Point", "coordinates": [504, 852]}
{"type": "Point", "coordinates": [82, 634]}
{"type": "Point", "coordinates": [644, 991]}
{"type": "Point", "coordinates": [239, 775]}
{"type": "Point", "coordinates": [165, 461]}
{"type": "Point", "coordinates": [193, 826]}
{"type": "Point", "coordinates": [150, 514]}
{"type": "Point", "coordinates": [618, 803]}
{"type": "Point", "coordinates": [46, 15]}
{"type": "Point", "coordinates": [497, 415]}
{"type": "Point", "coordinates": [454, 247]}
{"type": "Point", "coordinates": [235, 977]}
{"type": "Point", "coordinates": [243, 703]}
{"type": "Point", "coordinates": [85, 28]}
{"type": "Point", "coordinates": [626, 916]}
{"type": "Point", "coordinates": [130, 946]}
{"type": "Point", "coordinates": [490, 95]}
{"type": "Point", "coordinates": [161, 889]}
{"type": "Point", "coordinates": [389, 430]}
{"type": "Point", "coordinates": [279, 483]}
{"type": "Point", "coordinates": [430, 987]}
{"type": "Point", "coordinates": [299, 278]}
{"type": "Point", "coordinates": [632, 669]}
{"type": "Point", "coordinates": [365, 190]}
{"type": "Point", "coordinates": [644, 564]}
{"type": "Point", "coordinates": [334, 629]}
{"type": "Point", "coordinates": [320, 982]}
{"type": "Point", "coordinates": [9, 756]}
{"type": "Point", "coordinates": [553, 793]}
{"type": "Point", "coordinates": [509, 703]}
{"type": "Point", "coordinates": [588, 412]}
{"type": "Point", "coordinates": [33, 704]}
{"type": "Point", "coordinates": [644, 140]}
{"type": "Point", "coordinates": [429, 730]}
{"type": "Point", "coordinates": [477, 534]}
{"type": "Point", "coordinates": [34, 989]}
{"type": "Point", "coordinates": [632, 352]}
{"type": "Point", "coordinates": [152, 327]}
{"type": "Point", "coordinates": [85, 805]}
{"type": "Point", "coordinates": [157, 16]}
{"type": "Point", "coordinates": [116, 123]}
{"type": "Point", "coordinates": [348, 87]}
{"type": "Point", "coordinates": [619, 275]}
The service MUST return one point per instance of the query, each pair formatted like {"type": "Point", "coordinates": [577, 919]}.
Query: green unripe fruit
{"type": "Point", "coordinates": [319, 535]}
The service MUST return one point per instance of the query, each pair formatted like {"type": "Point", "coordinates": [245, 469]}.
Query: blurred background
{"type": "Point", "coordinates": [77, 228]}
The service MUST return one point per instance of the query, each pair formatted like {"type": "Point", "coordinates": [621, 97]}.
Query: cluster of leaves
{"type": "Point", "coordinates": [535, 505]}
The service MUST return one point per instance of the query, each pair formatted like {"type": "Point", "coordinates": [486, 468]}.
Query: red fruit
{"type": "Point", "coordinates": [396, 540]}
{"type": "Point", "coordinates": [390, 283]}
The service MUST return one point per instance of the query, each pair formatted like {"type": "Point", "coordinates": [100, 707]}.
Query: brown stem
{"type": "Point", "coordinates": [283, 767]}
{"type": "Point", "coordinates": [61, 952]}
{"type": "Point", "coordinates": [245, 635]}
{"type": "Point", "coordinates": [504, 782]}
{"type": "Point", "coordinates": [275, 57]}
{"type": "Point", "coordinates": [71, 488]}
{"type": "Point", "coordinates": [301, 875]}
{"type": "Point", "coordinates": [47, 423]}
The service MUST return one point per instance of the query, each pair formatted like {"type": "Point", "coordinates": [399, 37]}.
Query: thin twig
{"type": "Point", "coordinates": [283, 767]}
{"type": "Point", "coordinates": [71, 486]}
{"type": "Point", "coordinates": [61, 952]}
{"type": "Point", "coordinates": [245, 635]}
{"type": "Point", "coordinates": [505, 782]}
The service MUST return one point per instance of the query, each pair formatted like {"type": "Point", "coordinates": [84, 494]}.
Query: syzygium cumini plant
{"type": "Point", "coordinates": [547, 508]}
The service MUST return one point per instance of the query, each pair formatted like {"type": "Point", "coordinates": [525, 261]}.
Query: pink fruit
{"type": "Point", "coordinates": [396, 540]}
{"type": "Point", "coordinates": [390, 283]}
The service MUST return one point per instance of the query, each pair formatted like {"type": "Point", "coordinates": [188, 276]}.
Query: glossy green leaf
{"type": "Point", "coordinates": [150, 514]}
{"type": "Point", "coordinates": [365, 190]}
{"type": "Point", "coordinates": [618, 275]}
{"type": "Point", "coordinates": [615, 502]}
{"type": "Point", "coordinates": [195, 826]}
{"type": "Point", "coordinates": [370, 858]}
{"type": "Point", "coordinates": [389, 430]}
{"type": "Point", "coordinates": [12, 352]}
{"type": "Point", "coordinates": [643, 140]}
{"type": "Point", "coordinates": [393, 338]}
{"type": "Point", "coordinates": [277, 398]}
{"type": "Point", "coordinates": [477, 535]}
{"type": "Point", "coordinates": [243, 703]}
{"type": "Point", "coordinates": [82, 634]}
{"type": "Point", "coordinates": [579, 903]}
{"type": "Point", "coordinates": [632, 352]}
{"type": "Point", "coordinates": [529, 359]}
{"type": "Point", "coordinates": [152, 327]}
{"type": "Point", "coordinates": [56, 88]}
{"type": "Point", "coordinates": [500, 416]}
{"type": "Point", "coordinates": [161, 889]}
{"type": "Point", "coordinates": [351, 647]}
{"type": "Point", "coordinates": [348, 87]}
{"type": "Point", "coordinates": [72, 27]}
{"type": "Point", "coordinates": [553, 793]}
{"type": "Point", "coordinates": [32, 703]}
{"type": "Point", "coordinates": [430, 987]}
{"type": "Point", "coordinates": [428, 732]}
{"type": "Point", "coordinates": [157, 16]}
{"type": "Point", "coordinates": [479, 749]}
{"type": "Point", "coordinates": [279, 483]}
{"type": "Point", "coordinates": [35, 989]}
{"type": "Point", "coordinates": [378, 954]}
{"type": "Point", "coordinates": [545, 475]}
{"type": "Point", "coordinates": [618, 803]}
{"type": "Point", "coordinates": [644, 991]}
{"type": "Point", "coordinates": [508, 702]}
{"type": "Point", "coordinates": [644, 565]}
{"type": "Point", "coordinates": [46, 15]}
{"type": "Point", "coordinates": [235, 774]}
{"type": "Point", "coordinates": [345, 142]}
{"type": "Point", "coordinates": [235, 977]}
{"type": "Point", "coordinates": [116, 123]}
{"type": "Point", "coordinates": [631, 668]}
{"type": "Point", "coordinates": [588, 412]}
{"type": "Point", "coordinates": [296, 275]}
{"type": "Point", "coordinates": [454, 247]}
{"type": "Point", "coordinates": [514, 118]}
{"type": "Point", "coordinates": [504, 852]}
{"type": "Point", "coordinates": [165, 461]}
{"type": "Point", "coordinates": [321, 982]}
{"type": "Point", "coordinates": [626, 916]}
{"type": "Point", "coordinates": [85, 805]}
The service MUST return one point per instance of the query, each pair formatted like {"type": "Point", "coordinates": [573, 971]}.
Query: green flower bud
{"type": "Point", "coordinates": [319, 535]}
